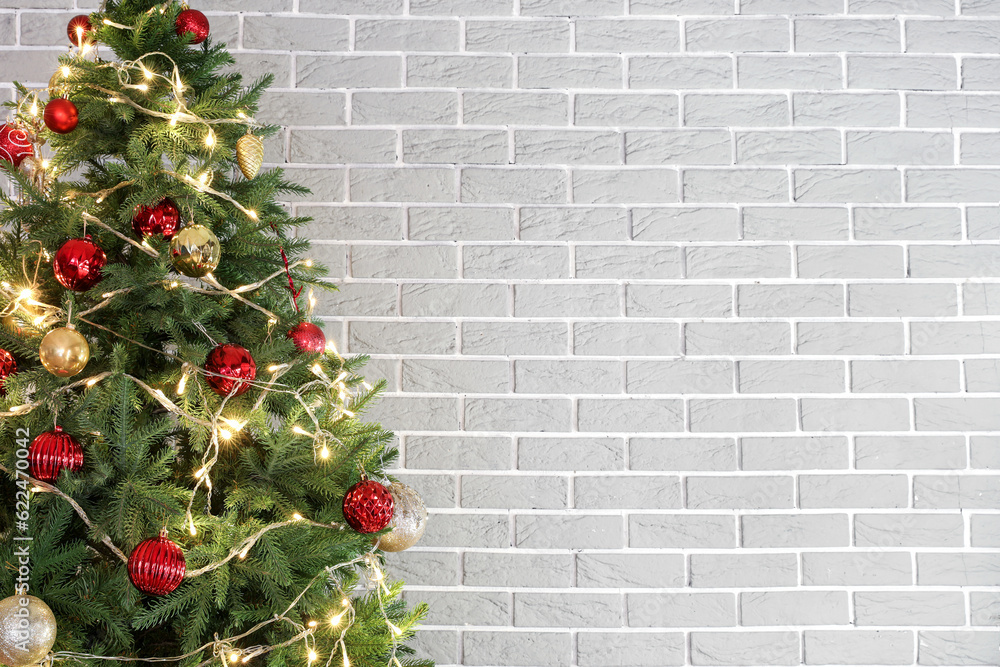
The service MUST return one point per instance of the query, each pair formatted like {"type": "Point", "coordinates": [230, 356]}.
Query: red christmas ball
{"type": "Point", "coordinates": [78, 28]}
{"type": "Point", "coordinates": [7, 367]}
{"type": "Point", "coordinates": [157, 565]}
{"type": "Point", "coordinates": [232, 364]}
{"type": "Point", "coordinates": [51, 452]}
{"type": "Point", "coordinates": [368, 506]}
{"type": "Point", "coordinates": [307, 337]}
{"type": "Point", "coordinates": [161, 220]}
{"type": "Point", "coordinates": [61, 116]}
{"type": "Point", "coordinates": [78, 264]}
{"type": "Point", "coordinates": [193, 21]}
{"type": "Point", "coordinates": [14, 144]}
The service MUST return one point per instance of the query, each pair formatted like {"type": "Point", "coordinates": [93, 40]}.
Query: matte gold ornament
{"type": "Point", "coordinates": [27, 630]}
{"type": "Point", "coordinates": [64, 352]}
{"type": "Point", "coordinates": [409, 519]}
{"type": "Point", "coordinates": [195, 251]}
{"type": "Point", "coordinates": [250, 155]}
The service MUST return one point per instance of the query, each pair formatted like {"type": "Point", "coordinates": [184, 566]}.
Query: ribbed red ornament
{"type": "Point", "coordinates": [157, 565]}
{"type": "Point", "coordinates": [193, 21]}
{"type": "Point", "coordinates": [7, 367]}
{"type": "Point", "coordinates": [234, 364]}
{"type": "Point", "coordinates": [161, 220]}
{"type": "Point", "coordinates": [51, 452]}
{"type": "Point", "coordinates": [78, 264]}
{"type": "Point", "coordinates": [307, 337]}
{"type": "Point", "coordinates": [14, 144]}
{"type": "Point", "coordinates": [61, 116]}
{"type": "Point", "coordinates": [78, 27]}
{"type": "Point", "coordinates": [368, 506]}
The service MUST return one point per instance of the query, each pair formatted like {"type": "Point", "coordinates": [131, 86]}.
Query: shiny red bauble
{"type": "Point", "coordinates": [232, 365]}
{"type": "Point", "coordinates": [164, 219]}
{"type": "Point", "coordinates": [307, 337]}
{"type": "Point", "coordinates": [7, 367]}
{"type": "Point", "coordinates": [51, 452]}
{"type": "Point", "coordinates": [193, 21]}
{"type": "Point", "coordinates": [14, 144]}
{"type": "Point", "coordinates": [79, 27]}
{"type": "Point", "coordinates": [368, 506]}
{"type": "Point", "coordinates": [157, 565]}
{"type": "Point", "coordinates": [61, 116]}
{"type": "Point", "coordinates": [78, 264]}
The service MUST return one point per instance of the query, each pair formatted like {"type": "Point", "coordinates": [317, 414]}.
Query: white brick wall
{"type": "Point", "coordinates": [688, 309]}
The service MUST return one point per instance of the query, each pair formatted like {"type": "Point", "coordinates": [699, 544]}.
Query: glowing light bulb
{"type": "Point", "coordinates": [199, 473]}
{"type": "Point", "coordinates": [312, 624]}
{"type": "Point", "coordinates": [66, 71]}
{"type": "Point", "coordinates": [299, 430]}
{"type": "Point", "coordinates": [394, 629]}
{"type": "Point", "coordinates": [245, 552]}
{"type": "Point", "coordinates": [240, 115]}
{"type": "Point", "coordinates": [146, 73]}
{"type": "Point", "coordinates": [143, 87]}
{"type": "Point", "coordinates": [45, 164]}
{"type": "Point", "coordinates": [252, 213]}
{"type": "Point", "coordinates": [335, 621]}
{"type": "Point", "coordinates": [309, 263]}
{"type": "Point", "coordinates": [237, 426]}
{"type": "Point", "coordinates": [193, 530]}
{"type": "Point", "coordinates": [312, 656]}
{"type": "Point", "coordinates": [210, 139]}
{"type": "Point", "coordinates": [182, 385]}
{"type": "Point", "coordinates": [34, 108]}
{"type": "Point", "coordinates": [325, 452]}
{"type": "Point", "coordinates": [234, 657]}
{"type": "Point", "coordinates": [297, 516]}
{"type": "Point", "coordinates": [345, 602]}
{"type": "Point", "coordinates": [92, 381]}
{"type": "Point", "coordinates": [26, 293]}
{"type": "Point", "coordinates": [224, 434]}
{"type": "Point", "coordinates": [203, 178]}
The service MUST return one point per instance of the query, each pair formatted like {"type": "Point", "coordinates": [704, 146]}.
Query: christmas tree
{"type": "Point", "coordinates": [188, 478]}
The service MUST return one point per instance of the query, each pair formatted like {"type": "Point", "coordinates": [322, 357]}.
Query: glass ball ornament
{"type": "Point", "coordinates": [14, 144]}
{"type": "Point", "coordinates": [409, 519]}
{"type": "Point", "coordinates": [22, 645]}
{"type": "Point", "coordinates": [8, 367]}
{"type": "Point", "coordinates": [194, 22]}
{"type": "Point", "coordinates": [52, 451]}
{"type": "Point", "coordinates": [308, 338]}
{"type": "Point", "coordinates": [195, 251]}
{"type": "Point", "coordinates": [64, 352]}
{"type": "Point", "coordinates": [61, 116]}
{"type": "Point", "coordinates": [78, 264]}
{"type": "Point", "coordinates": [233, 368]}
{"type": "Point", "coordinates": [78, 29]}
{"type": "Point", "coordinates": [157, 565]}
{"type": "Point", "coordinates": [368, 506]}
{"type": "Point", "coordinates": [161, 220]}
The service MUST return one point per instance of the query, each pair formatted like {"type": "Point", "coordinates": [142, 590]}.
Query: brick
{"type": "Point", "coordinates": [625, 110]}
{"type": "Point", "coordinates": [790, 300]}
{"type": "Point", "coordinates": [870, 568]}
{"type": "Point", "coordinates": [796, 72]}
{"type": "Point", "coordinates": [851, 109]}
{"type": "Point", "coordinates": [839, 35]}
{"type": "Point", "coordinates": [984, 530]}
{"type": "Point", "coordinates": [408, 107]}
{"type": "Point", "coordinates": [402, 185]}
{"type": "Point", "coordinates": [466, 530]}
{"type": "Point", "coordinates": [950, 185]}
{"type": "Point", "coordinates": [788, 147]}
{"type": "Point", "coordinates": [909, 452]}
{"type": "Point", "coordinates": [909, 530]}
{"type": "Point", "coordinates": [954, 338]}
{"type": "Point", "coordinates": [571, 453]}
{"type": "Point", "coordinates": [685, 224]}
{"type": "Point", "coordinates": [631, 415]}
{"type": "Point", "coordinates": [459, 71]}
{"type": "Point", "coordinates": [982, 375]}
{"type": "Point", "coordinates": [850, 414]}
{"type": "Point", "coordinates": [985, 452]}
{"type": "Point", "coordinates": [630, 35]}
{"type": "Point", "coordinates": [520, 492]}
{"type": "Point", "coordinates": [679, 377]}
{"type": "Point", "coordinates": [437, 490]}
{"type": "Point", "coordinates": [358, 299]}
{"type": "Point", "coordinates": [900, 148]}
{"type": "Point", "coordinates": [563, 7]}
{"type": "Point", "coordinates": [734, 185]}
{"type": "Point", "coordinates": [507, 108]}
{"type": "Point", "coordinates": [515, 261]}
{"type": "Point", "coordinates": [858, 647]}
{"type": "Point", "coordinates": [517, 36]}
{"type": "Point", "coordinates": [794, 530]}
{"type": "Point", "coordinates": [743, 34]}
{"type": "Point", "coordinates": [456, 300]}
{"type": "Point", "coordinates": [738, 262]}
{"type": "Point", "coordinates": [455, 608]}
{"type": "Point", "coordinates": [385, 261]}
{"type": "Point", "coordinates": [462, 7]}
{"type": "Point", "coordinates": [402, 337]}
{"type": "Point", "coordinates": [505, 186]}
{"type": "Point", "coordinates": [546, 649]}
{"type": "Point", "coordinates": [902, 72]}
{"type": "Point", "coordinates": [936, 36]}
{"type": "Point", "coordinates": [577, 531]}
{"type": "Point", "coordinates": [482, 414]}
{"type": "Point", "coordinates": [744, 570]}
{"type": "Point", "coordinates": [679, 7]}
{"type": "Point", "coordinates": [766, 377]}
{"type": "Point", "coordinates": [567, 147]}
{"type": "Point", "coordinates": [919, 7]}
{"type": "Point", "coordinates": [847, 185]}
{"type": "Point", "coordinates": [985, 608]}
{"type": "Point", "coordinates": [958, 569]}
{"type": "Point", "coordinates": [904, 376]}
{"type": "Point", "coordinates": [680, 72]}
{"type": "Point", "coordinates": [341, 71]}
{"type": "Point", "coordinates": [554, 300]}
{"type": "Point", "coordinates": [906, 608]}
{"type": "Point", "coordinates": [455, 376]}
{"type": "Point", "coordinates": [762, 223]}
{"type": "Point", "coordinates": [454, 146]}
{"type": "Point", "coordinates": [756, 492]}
{"type": "Point", "coordinates": [480, 568]}
{"type": "Point", "coordinates": [513, 338]}
{"type": "Point", "coordinates": [441, 646]}
{"type": "Point", "coordinates": [909, 223]}
{"type": "Point", "coordinates": [625, 186]}
{"type": "Point", "coordinates": [954, 647]}
{"type": "Point", "coordinates": [794, 453]}
{"type": "Point", "coordinates": [955, 491]}
{"type": "Point", "coordinates": [576, 72]}
{"type": "Point", "coordinates": [685, 300]}
{"type": "Point", "coordinates": [794, 608]}
{"type": "Point", "coordinates": [944, 414]}
{"type": "Point", "coordinates": [978, 148]}
{"type": "Point", "coordinates": [592, 610]}
{"type": "Point", "coordinates": [924, 110]}
{"type": "Point", "coordinates": [454, 223]}
{"type": "Point", "coordinates": [543, 376]}
{"type": "Point", "coordinates": [406, 35]}
{"type": "Point", "coordinates": [598, 570]}
{"type": "Point", "coordinates": [312, 34]}
{"type": "Point", "coordinates": [427, 568]}
{"type": "Point", "coordinates": [791, 7]}
{"type": "Point", "coordinates": [352, 223]}
{"type": "Point", "coordinates": [860, 491]}
{"type": "Point", "coordinates": [625, 339]}
{"type": "Point", "coordinates": [743, 338]}
{"type": "Point", "coordinates": [627, 492]}
{"type": "Point", "coordinates": [352, 6]}
{"type": "Point", "coordinates": [682, 531]}
{"type": "Point", "coordinates": [573, 224]}
{"type": "Point", "coordinates": [654, 610]}
{"type": "Point", "coordinates": [679, 147]}
{"type": "Point", "coordinates": [461, 453]}
{"type": "Point", "coordinates": [646, 649]}
{"type": "Point", "coordinates": [718, 110]}
{"type": "Point", "coordinates": [743, 415]}
{"type": "Point", "coordinates": [835, 338]}
{"type": "Point", "coordinates": [628, 262]}
{"type": "Point", "coordinates": [739, 648]}
{"type": "Point", "coordinates": [682, 454]}
{"type": "Point", "coordinates": [979, 74]}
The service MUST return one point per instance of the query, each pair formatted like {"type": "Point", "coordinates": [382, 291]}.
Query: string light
{"type": "Point", "coordinates": [66, 71]}
{"type": "Point", "coordinates": [297, 516]}
{"type": "Point", "coordinates": [312, 655]}
{"type": "Point", "coordinates": [343, 646]}
{"type": "Point", "coordinates": [210, 138]}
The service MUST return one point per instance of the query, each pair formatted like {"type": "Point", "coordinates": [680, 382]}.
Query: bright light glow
{"type": "Point", "coordinates": [143, 87]}
{"type": "Point", "coordinates": [193, 530]}
{"type": "Point", "coordinates": [203, 178]}
{"type": "Point", "coordinates": [325, 452]}
{"type": "Point", "coordinates": [299, 430]}
{"type": "Point", "coordinates": [237, 426]}
{"type": "Point", "coordinates": [246, 550]}
{"type": "Point", "coordinates": [45, 164]}
{"type": "Point", "coordinates": [199, 473]}
{"type": "Point", "coordinates": [160, 394]}
{"type": "Point", "coordinates": [210, 139]}
{"type": "Point", "coordinates": [38, 320]}
{"type": "Point", "coordinates": [173, 119]}
{"type": "Point", "coordinates": [297, 516]}
{"type": "Point", "coordinates": [331, 346]}
{"type": "Point", "coordinates": [174, 284]}
{"type": "Point", "coordinates": [27, 294]}
{"type": "Point", "coordinates": [393, 629]}
{"type": "Point", "coordinates": [92, 381]}
{"type": "Point", "coordinates": [107, 22]}
{"type": "Point", "coordinates": [34, 108]}
{"type": "Point", "coordinates": [335, 621]}
{"type": "Point", "coordinates": [79, 33]}
{"type": "Point", "coordinates": [182, 385]}
{"type": "Point", "coordinates": [345, 602]}
{"type": "Point", "coordinates": [317, 369]}
{"type": "Point", "coordinates": [312, 624]}
{"type": "Point", "coordinates": [343, 646]}
{"type": "Point", "coordinates": [309, 263]}
{"type": "Point", "coordinates": [66, 71]}
{"type": "Point", "coordinates": [246, 658]}
{"type": "Point", "coordinates": [107, 295]}
{"type": "Point", "coordinates": [252, 213]}
{"type": "Point", "coordinates": [240, 114]}
{"type": "Point", "coordinates": [113, 100]}
{"type": "Point", "coordinates": [234, 657]}
{"type": "Point", "coordinates": [224, 434]}
{"type": "Point", "coordinates": [146, 73]}
{"type": "Point", "coordinates": [312, 655]}
{"type": "Point", "coordinates": [85, 49]}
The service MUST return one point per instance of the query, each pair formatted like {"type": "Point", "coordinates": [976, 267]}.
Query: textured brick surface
{"type": "Point", "coordinates": [687, 308]}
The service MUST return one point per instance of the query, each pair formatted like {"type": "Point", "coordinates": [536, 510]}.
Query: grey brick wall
{"type": "Point", "coordinates": [688, 310]}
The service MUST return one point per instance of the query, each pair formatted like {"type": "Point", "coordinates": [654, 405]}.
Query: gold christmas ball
{"type": "Point", "coordinates": [409, 519]}
{"type": "Point", "coordinates": [64, 352]}
{"type": "Point", "coordinates": [27, 630]}
{"type": "Point", "coordinates": [195, 251]}
{"type": "Point", "coordinates": [57, 83]}
{"type": "Point", "coordinates": [250, 155]}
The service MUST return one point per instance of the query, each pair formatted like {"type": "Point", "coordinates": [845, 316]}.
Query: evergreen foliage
{"type": "Point", "coordinates": [141, 459]}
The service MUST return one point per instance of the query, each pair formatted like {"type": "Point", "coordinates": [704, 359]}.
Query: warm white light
{"type": "Point", "coordinates": [34, 108]}
{"type": "Point", "coordinates": [312, 655]}
{"type": "Point", "coordinates": [199, 473]}
{"type": "Point", "coordinates": [92, 381]}
{"type": "Point", "coordinates": [146, 73]}
{"type": "Point", "coordinates": [224, 434]}
{"type": "Point", "coordinates": [243, 554]}
{"type": "Point", "coordinates": [66, 71]}
{"type": "Point", "coordinates": [309, 263]}
{"type": "Point", "coordinates": [343, 646]}
{"type": "Point", "coordinates": [234, 657]}
{"type": "Point", "coordinates": [252, 213]}
{"type": "Point", "coordinates": [299, 430]}
{"type": "Point", "coordinates": [325, 452]}
{"type": "Point", "coordinates": [393, 629]}
{"type": "Point", "coordinates": [182, 385]}
{"type": "Point", "coordinates": [312, 624]}
{"type": "Point", "coordinates": [143, 87]}
{"type": "Point", "coordinates": [210, 139]}
{"type": "Point", "coordinates": [203, 178]}
{"type": "Point", "coordinates": [335, 621]}
{"type": "Point", "coordinates": [297, 516]}
{"type": "Point", "coordinates": [45, 164]}
{"type": "Point", "coordinates": [317, 369]}
{"type": "Point", "coordinates": [26, 293]}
